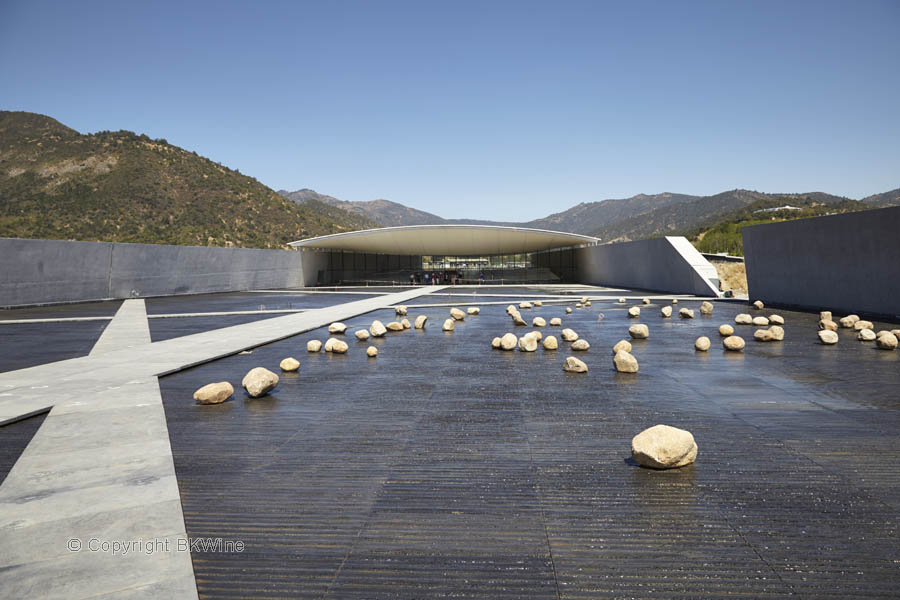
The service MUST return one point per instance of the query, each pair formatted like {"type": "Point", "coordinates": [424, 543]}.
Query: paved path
{"type": "Point", "coordinates": [99, 470]}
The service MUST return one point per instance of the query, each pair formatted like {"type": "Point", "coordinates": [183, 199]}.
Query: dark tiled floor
{"type": "Point", "coordinates": [16, 437]}
{"type": "Point", "coordinates": [446, 469]}
{"type": "Point", "coordinates": [31, 344]}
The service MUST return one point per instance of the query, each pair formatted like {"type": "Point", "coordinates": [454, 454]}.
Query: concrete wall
{"type": "Point", "coordinates": [846, 263]}
{"type": "Point", "coordinates": [45, 271]}
{"type": "Point", "coordinates": [667, 264]}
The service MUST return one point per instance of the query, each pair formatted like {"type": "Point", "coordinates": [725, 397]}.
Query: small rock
{"type": "Point", "coordinates": [646, 300]}
{"type": "Point", "coordinates": [537, 335]}
{"type": "Point", "coordinates": [666, 311]}
{"type": "Point", "coordinates": [394, 326]}
{"type": "Point", "coordinates": [550, 343]}
{"type": "Point", "coordinates": [259, 382]}
{"type": "Point", "coordinates": [762, 335]}
{"type": "Point", "coordinates": [686, 313]}
{"type": "Point", "coordinates": [457, 314]}
{"type": "Point", "coordinates": [420, 322]}
{"type": "Point", "coordinates": [405, 323]}
{"type": "Point", "coordinates": [361, 334]}
{"type": "Point", "coordinates": [214, 393]}
{"type": "Point", "coordinates": [511, 309]}
{"type": "Point", "coordinates": [539, 322]}
{"type": "Point", "coordinates": [760, 321]}
{"type": "Point", "coordinates": [634, 312]}
{"type": "Point", "coordinates": [473, 310]}
{"type": "Point", "coordinates": [743, 319]}
{"type": "Point", "coordinates": [528, 343]}
{"type": "Point", "coordinates": [495, 343]}
{"type": "Point", "coordinates": [622, 345]}
{"type": "Point", "coordinates": [371, 351]}
{"type": "Point", "coordinates": [578, 305]}
{"type": "Point", "coordinates": [735, 343]}
{"type": "Point", "coordinates": [664, 447]}
{"type": "Point", "coordinates": [639, 331]}
{"type": "Point", "coordinates": [448, 325]}
{"type": "Point", "coordinates": [706, 308]}
{"type": "Point", "coordinates": [777, 332]}
{"type": "Point", "coordinates": [289, 364]}
{"type": "Point", "coordinates": [400, 311]}
{"type": "Point", "coordinates": [674, 300]}
{"type": "Point", "coordinates": [584, 299]}
{"type": "Point", "coordinates": [827, 336]}
{"type": "Point", "coordinates": [622, 300]}
{"type": "Point", "coordinates": [568, 335]}
{"type": "Point", "coordinates": [777, 319]}
{"type": "Point", "coordinates": [581, 345]}
{"type": "Point", "coordinates": [859, 325]}
{"type": "Point", "coordinates": [888, 341]}
{"type": "Point", "coordinates": [573, 365]}
{"type": "Point", "coordinates": [849, 320]}
{"type": "Point", "coordinates": [625, 362]}
{"type": "Point", "coordinates": [524, 304]}
{"type": "Point", "coordinates": [377, 329]}
{"type": "Point", "coordinates": [825, 315]}
{"type": "Point", "coordinates": [702, 343]}
{"type": "Point", "coordinates": [865, 335]}
{"type": "Point", "coordinates": [725, 330]}
{"type": "Point", "coordinates": [568, 310]}
{"type": "Point", "coordinates": [508, 341]}
{"type": "Point", "coordinates": [828, 324]}
{"type": "Point", "coordinates": [896, 333]}
{"type": "Point", "coordinates": [556, 322]}
{"type": "Point", "coordinates": [759, 305]}
{"type": "Point", "coordinates": [588, 303]}
{"type": "Point", "coordinates": [313, 346]}
{"type": "Point", "coordinates": [518, 319]}
{"type": "Point", "coordinates": [337, 328]}
{"type": "Point", "coordinates": [538, 303]}
{"type": "Point", "coordinates": [335, 345]}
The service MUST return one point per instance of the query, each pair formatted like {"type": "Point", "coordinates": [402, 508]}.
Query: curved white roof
{"type": "Point", "coordinates": [452, 240]}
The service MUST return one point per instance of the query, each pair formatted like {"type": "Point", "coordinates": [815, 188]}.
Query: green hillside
{"type": "Point", "coordinates": [118, 186]}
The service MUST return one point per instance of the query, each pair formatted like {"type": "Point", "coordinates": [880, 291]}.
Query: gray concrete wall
{"type": "Point", "coordinates": [46, 271]}
{"type": "Point", "coordinates": [666, 264]}
{"type": "Point", "coordinates": [846, 263]}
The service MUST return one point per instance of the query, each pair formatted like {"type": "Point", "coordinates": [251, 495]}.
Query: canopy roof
{"type": "Point", "coordinates": [450, 240]}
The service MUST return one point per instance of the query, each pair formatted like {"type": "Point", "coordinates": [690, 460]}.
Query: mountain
{"type": "Point", "coordinates": [379, 211]}
{"type": "Point", "coordinates": [118, 186]}
{"type": "Point", "coordinates": [884, 200]}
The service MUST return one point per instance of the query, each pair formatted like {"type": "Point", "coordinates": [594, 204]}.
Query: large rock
{"type": "Point", "coordinates": [664, 447]}
{"type": "Point", "coordinates": [621, 345]}
{"type": "Point", "coordinates": [825, 315]}
{"type": "Point", "coordinates": [377, 329]}
{"type": "Point", "coordinates": [371, 351]}
{"type": "Point", "coordinates": [556, 322]}
{"type": "Point", "coordinates": [759, 305]}
{"type": "Point", "coordinates": [524, 304]}
{"type": "Point", "coordinates": [313, 346]}
{"type": "Point", "coordinates": [259, 382]}
{"type": "Point", "coordinates": [335, 345]}
{"type": "Point", "coordinates": [666, 311]}
{"type": "Point", "coordinates": [400, 311]}
{"type": "Point", "coordinates": [289, 364]}
{"type": "Point", "coordinates": [860, 325]}
{"type": "Point", "coordinates": [706, 308]}
{"type": "Point", "coordinates": [625, 362]}
{"type": "Point", "coordinates": [762, 335]}
{"type": "Point", "coordinates": [865, 335]}
{"type": "Point", "coordinates": [337, 328]}
{"type": "Point", "coordinates": [686, 313]}
{"type": "Point", "coordinates": [361, 334]}
{"type": "Point", "coordinates": [214, 393]}
{"type": "Point", "coordinates": [508, 341]}
{"type": "Point", "coordinates": [848, 321]}
{"type": "Point", "coordinates": [634, 312]}
{"type": "Point", "coordinates": [528, 343]}
{"type": "Point", "coordinates": [760, 321]}
{"type": "Point", "coordinates": [896, 333]}
{"type": "Point", "coordinates": [777, 332]}
{"type": "Point", "coordinates": [888, 341]}
{"type": "Point", "coordinates": [406, 324]}
{"type": "Point", "coordinates": [511, 309]}
{"type": "Point", "coordinates": [550, 343]}
{"type": "Point", "coordinates": [457, 314]}
{"type": "Point", "coordinates": [639, 331]}
{"type": "Point", "coordinates": [568, 335]}
{"type": "Point", "coordinates": [448, 325]}
{"type": "Point", "coordinates": [568, 310]}
{"type": "Point", "coordinates": [725, 330]}
{"type": "Point", "coordinates": [735, 343]}
{"type": "Point", "coordinates": [573, 365]}
{"type": "Point", "coordinates": [539, 322]}
{"type": "Point", "coordinates": [776, 319]}
{"type": "Point", "coordinates": [420, 322]}
{"type": "Point", "coordinates": [581, 345]}
{"type": "Point", "coordinates": [473, 310]}
{"type": "Point", "coordinates": [495, 343]}
{"type": "Point", "coordinates": [743, 319]}
{"type": "Point", "coordinates": [702, 343]}
{"type": "Point", "coordinates": [827, 336]}
{"type": "Point", "coordinates": [828, 324]}
{"type": "Point", "coordinates": [394, 326]}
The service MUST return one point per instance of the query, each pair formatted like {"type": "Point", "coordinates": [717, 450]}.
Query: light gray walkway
{"type": "Point", "coordinates": [100, 469]}
{"type": "Point", "coordinates": [128, 328]}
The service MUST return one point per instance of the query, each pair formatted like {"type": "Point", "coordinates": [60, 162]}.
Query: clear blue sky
{"type": "Point", "coordinates": [503, 110]}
